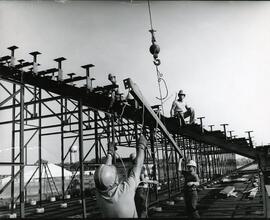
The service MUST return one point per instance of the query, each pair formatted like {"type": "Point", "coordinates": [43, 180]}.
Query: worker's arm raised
{"type": "Point", "coordinates": [110, 154]}
{"type": "Point", "coordinates": [140, 156]}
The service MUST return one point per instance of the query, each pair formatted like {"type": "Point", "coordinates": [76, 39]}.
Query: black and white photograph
{"type": "Point", "coordinates": [134, 109]}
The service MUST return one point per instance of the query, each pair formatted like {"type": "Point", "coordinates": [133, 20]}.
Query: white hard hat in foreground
{"type": "Point", "coordinates": [105, 177]}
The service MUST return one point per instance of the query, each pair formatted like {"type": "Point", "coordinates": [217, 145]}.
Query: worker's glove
{"type": "Point", "coordinates": [142, 143]}
{"type": "Point", "coordinates": [190, 183]}
{"type": "Point", "coordinates": [112, 148]}
{"type": "Point", "coordinates": [155, 182]}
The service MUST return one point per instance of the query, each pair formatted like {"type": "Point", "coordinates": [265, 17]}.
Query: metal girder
{"type": "Point", "coordinates": [10, 164]}
{"type": "Point", "coordinates": [230, 145]}
{"type": "Point", "coordinates": [101, 102]}
{"type": "Point", "coordinates": [93, 100]}
{"type": "Point", "coordinates": [78, 78]}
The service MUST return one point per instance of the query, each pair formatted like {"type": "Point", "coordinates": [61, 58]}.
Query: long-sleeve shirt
{"type": "Point", "coordinates": [119, 202]}
{"type": "Point", "coordinates": [190, 177]}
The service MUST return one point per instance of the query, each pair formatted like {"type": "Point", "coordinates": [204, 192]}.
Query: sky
{"type": "Point", "coordinates": [218, 53]}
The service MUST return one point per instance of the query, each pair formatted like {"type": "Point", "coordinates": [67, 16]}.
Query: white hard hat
{"type": "Point", "coordinates": [105, 177]}
{"type": "Point", "coordinates": [192, 163]}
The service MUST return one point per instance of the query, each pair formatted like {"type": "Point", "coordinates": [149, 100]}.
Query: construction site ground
{"type": "Point", "coordinates": [212, 204]}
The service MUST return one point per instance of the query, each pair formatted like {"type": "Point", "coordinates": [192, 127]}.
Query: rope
{"type": "Point", "coordinates": [122, 163]}
{"type": "Point", "coordinates": [165, 84]}
{"type": "Point", "coordinates": [142, 118]}
{"type": "Point", "coordinates": [125, 104]}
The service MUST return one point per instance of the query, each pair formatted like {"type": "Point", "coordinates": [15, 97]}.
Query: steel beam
{"type": "Point", "coordinates": [81, 156]}
{"type": "Point", "coordinates": [22, 205]}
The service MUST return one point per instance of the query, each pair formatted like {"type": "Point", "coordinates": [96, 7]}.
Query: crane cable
{"type": "Point", "coordinates": [150, 14]}
{"type": "Point", "coordinates": [154, 50]}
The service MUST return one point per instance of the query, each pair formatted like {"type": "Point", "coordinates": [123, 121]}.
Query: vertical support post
{"type": "Point", "coordinates": [167, 168]}
{"type": "Point", "coordinates": [66, 111]}
{"type": "Point", "coordinates": [81, 155]}
{"type": "Point", "coordinates": [35, 64]}
{"type": "Point", "coordinates": [200, 146]}
{"type": "Point", "coordinates": [189, 148]}
{"type": "Point", "coordinates": [108, 128]}
{"type": "Point", "coordinates": [211, 127]}
{"type": "Point", "coordinates": [39, 148]}
{"type": "Point", "coordinates": [163, 156]}
{"type": "Point", "coordinates": [209, 163]}
{"type": "Point", "coordinates": [176, 162]}
{"type": "Point", "coordinates": [201, 161]}
{"type": "Point", "coordinates": [60, 71]}
{"type": "Point", "coordinates": [214, 159]}
{"type": "Point", "coordinates": [196, 157]}
{"type": "Point", "coordinates": [152, 143]}
{"type": "Point", "coordinates": [201, 123]}
{"type": "Point", "coordinates": [113, 134]}
{"type": "Point", "coordinates": [230, 132]}
{"type": "Point", "coordinates": [35, 105]}
{"type": "Point", "coordinates": [185, 152]}
{"type": "Point", "coordinates": [250, 139]}
{"type": "Point", "coordinates": [12, 59]}
{"type": "Point", "coordinates": [205, 162]}
{"type": "Point", "coordinates": [158, 164]}
{"type": "Point", "coordinates": [13, 147]}
{"type": "Point", "coordinates": [224, 130]}
{"type": "Point", "coordinates": [173, 167]}
{"type": "Point", "coordinates": [96, 138]}
{"type": "Point", "coordinates": [22, 211]}
{"type": "Point", "coordinates": [62, 151]}
{"type": "Point", "coordinates": [88, 77]}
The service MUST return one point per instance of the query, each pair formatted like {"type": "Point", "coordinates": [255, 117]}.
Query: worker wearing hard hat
{"type": "Point", "coordinates": [181, 110]}
{"type": "Point", "coordinates": [114, 93]}
{"type": "Point", "coordinates": [116, 199]}
{"type": "Point", "coordinates": [191, 183]}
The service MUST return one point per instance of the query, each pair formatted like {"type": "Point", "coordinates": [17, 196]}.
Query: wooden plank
{"type": "Point", "coordinates": [138, 96]}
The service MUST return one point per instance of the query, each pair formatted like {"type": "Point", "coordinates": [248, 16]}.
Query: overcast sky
{"type": "Point", "coordinates": [217, 52]}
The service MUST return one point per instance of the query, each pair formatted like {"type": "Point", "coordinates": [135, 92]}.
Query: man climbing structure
{"type": "Point", "coordinates": [181, 110]}
{"type": "Point", "coordinates": [116, 199]}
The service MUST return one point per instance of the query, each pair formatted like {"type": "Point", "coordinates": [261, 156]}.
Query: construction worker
{"type": "Point", "coordinates": [142, 190]}
{"type": "Point", "coordinates": [191, 183]}
{"type": "Point", "coordinates": [116, 199]}
{"type": "Point", "coordinates": [114, 93]}
{"type": "Point", "coordinates": [181, 110]}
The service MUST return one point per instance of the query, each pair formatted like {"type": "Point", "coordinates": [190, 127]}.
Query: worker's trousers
{"type": "Point", "coordinates": [181, 116]}
{"type": "Point", "coordinates": [140, 202]}
{"type": "Point", "coordinates": [191, 201]}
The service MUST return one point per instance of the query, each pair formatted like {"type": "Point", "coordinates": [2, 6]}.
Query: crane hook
{"type": "Point", "coordinates": [157, 62]}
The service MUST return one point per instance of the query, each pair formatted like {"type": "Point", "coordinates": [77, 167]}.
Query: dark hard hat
{"type": "Point", "coordinates": [105, 177]}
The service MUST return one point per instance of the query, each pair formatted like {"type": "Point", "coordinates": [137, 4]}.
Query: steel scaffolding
{"type": "Point", "coordinates": [39, 113]}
